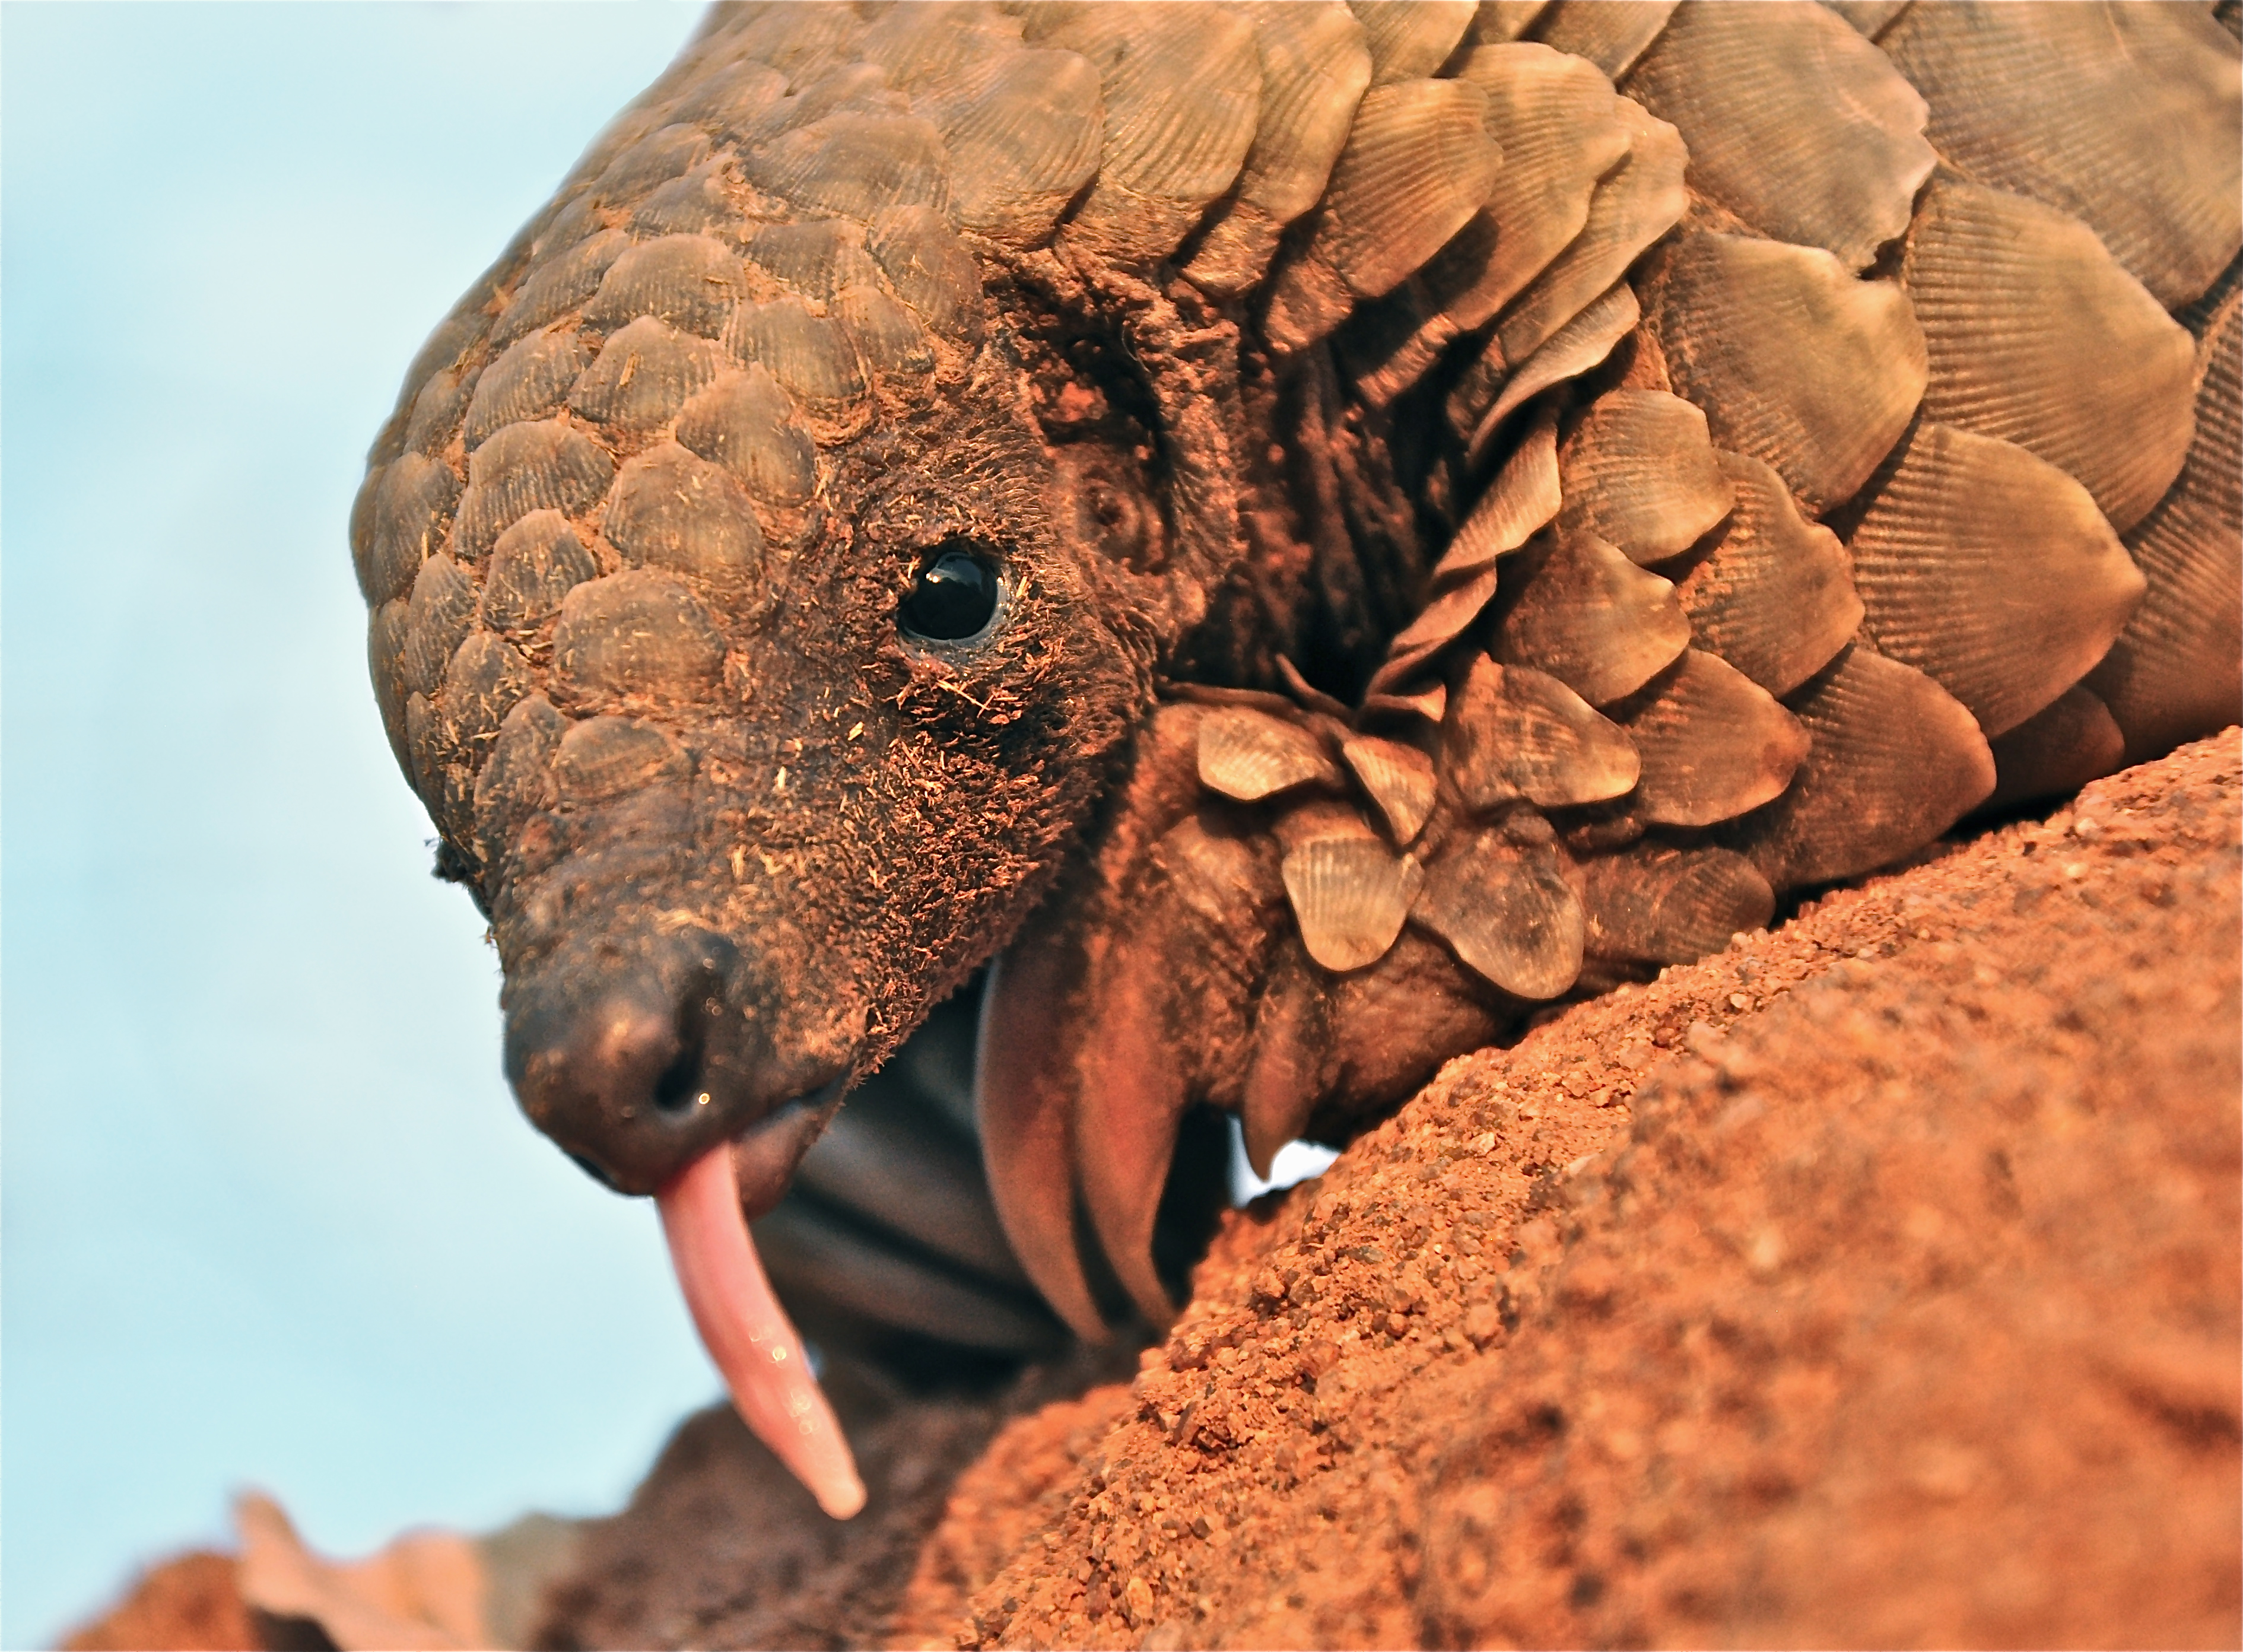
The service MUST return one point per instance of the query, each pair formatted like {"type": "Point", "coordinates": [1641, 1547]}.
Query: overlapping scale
{"type": "Point", "coordinates": [1518, 503]}
{"type": "Point", "coordinates": [1417, 163]}
{"type": "Point", "coordinates": [1412, 38]}
{"type": "Point", "coordinates": [667, 153]}
{"type": "Point", "coordinates": [1182, 88]}
{"type": "Point", "coordinates": [604, 757]}
{"type": "Point", "coordinates": [672, 509]}
{"type": "Point", "coordinates": [811, 357]}
{"type": "Point", "coordinates": [733, 100]}
{"type": "Point", "coordinates": [1250, 755]}
{"type": "Point", "coordinates": [1499, 22]}
{"type": "Point", "coordinates": [1992, 571]}
{"type": "Point", "coordinates": [1571, 351]}
{"type": "Point", "coordinates": [1591, 618]}
{"type": "Point", "coordinates": [839, 82]}
{"type": "Point", "coordinates": [2038, 336]}
{"type": "Point", "coordinates": [929, 269]}
{"type": "Point", "coordinates": [644, 375]}
{"type": "Point", "coordinates": [2123, 116]}
{"type": "Point", "coordinates": [438, 410]}
{"type": "Point", "coordinates": [1639, 473]}
{"type": "Point", "coordinates": [1315, 67]}
{"type": "Point", "coordinates": [925, 50]}
{"type": "Point", "coordinates": [1636, 203]}
{"type": "Point", "coordinates": [545, 466]}
{"type": "Point", "coordinates": [639, 635]}
{"type": "Point", "coordinates": [1611, 34]}
{"type": "Point", "coordinates": [557, 283]}
{"type": "Point", "coordinates": [385, 631]}
{"type": "Point", "coordinates": [485, 679]}
{"type": "Point", "coordinates": [517, 780]}
{"type": "Point", "coordinates": [795, 40]}
{"type": "Point", "coordinates": [700, 200]}
{"type": "Point", "coordinates": [1398, 778]}
{"type": "Point", "coordinates": [414, 498]}
{"type": "Point", "coordinates": [2059, 749]}
{"type": "Point", "coordinates": [1559, 126]}
{"type": "Point", "coordinates": [889, 343]}
{"type": "Point", "coordinates": [1663, 905]}
{"type": "Point", "coordinates": [428, 763]}
{"type": "Point", "coordinates": [855, 164]}
{"type": "Point", "coordinates": [691, 281]}
{"type": "Point", "coordinates": [1773, 594]}
{"type": "Point", "coordinates": [1511, 732]}
{"type": "Point", "coordinates": [1713, 744]}
{"type": "Point", "coordinates": [1869, 18]}
{"type": "Point", "coordinates": [745, 423]}
{"type": "Point", "coordinates": [1794, 123]}
{"type": "Point", "coordinates": [1893, 761]}
{"type": "Point", "coordinates": [437, 617]}
{"type": "Point", "coordinates": [1795, 362]}
{"type": "Point", "coordinates": [816, 258]}
{"type": "Point", "coordinates": [532, 565]}
{"type": "Point", "coordinates": [1025, 136]}
{"type": "Point", "coordinates": [1508, 911]}
{"type": "Point", "coordinates": [529, 380]}
{"type": "Point", "coordinates": [2177, 670]}
{"type": "Point", "coordinates": [1349, 891]}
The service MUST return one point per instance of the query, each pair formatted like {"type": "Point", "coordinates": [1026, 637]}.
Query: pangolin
{"type": "Point", "coordinates": [1267, 544]}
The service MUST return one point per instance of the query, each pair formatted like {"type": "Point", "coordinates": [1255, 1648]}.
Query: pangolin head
{"type": "Point", "coordinates": [768, 563]}
{"type": "Point", "coordinates": [758, 598]}
{"type": "Point", "coordinates": [793, 801]}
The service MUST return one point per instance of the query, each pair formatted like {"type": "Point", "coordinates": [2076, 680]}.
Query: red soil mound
{"type": "Point", "coordinates": [1875, 1282]}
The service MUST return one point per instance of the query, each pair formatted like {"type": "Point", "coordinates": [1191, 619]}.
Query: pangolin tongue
{"type": "Point", "coordinates": [748, 1334]}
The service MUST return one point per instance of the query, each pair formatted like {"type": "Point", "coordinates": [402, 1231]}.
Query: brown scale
{"type": "Point", "coordinates": [1459, 532]}
{"type": "Point", "coordinates": [1316, 65]}
{"type": "Point", "coordinates": [529, 382]}
{"type": "Point", "coordinates": [646, 372]}
{"type": "Point", "coordinates": [2179, 664]}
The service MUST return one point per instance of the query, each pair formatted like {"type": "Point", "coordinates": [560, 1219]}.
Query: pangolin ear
{"type": "Point", "coordinates": [1143, 435]}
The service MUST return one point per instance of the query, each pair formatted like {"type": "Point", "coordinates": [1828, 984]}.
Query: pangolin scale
{"type": "Point", "coordinates": [1265, 543]}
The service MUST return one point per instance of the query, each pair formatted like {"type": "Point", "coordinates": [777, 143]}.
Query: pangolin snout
{"type": "Point", "coordinates": [635, 1061]}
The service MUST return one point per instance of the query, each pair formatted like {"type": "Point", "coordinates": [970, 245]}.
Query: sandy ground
{"type": "Point", "coordinates": [1879, 1281]}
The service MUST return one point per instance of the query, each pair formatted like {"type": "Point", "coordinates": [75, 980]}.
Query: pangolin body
{"type": "Point", "coordinates": [1303, 532]}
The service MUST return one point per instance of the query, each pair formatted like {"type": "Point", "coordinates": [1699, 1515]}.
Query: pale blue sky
{"type": "Point", "coordinates": [270, 1216]}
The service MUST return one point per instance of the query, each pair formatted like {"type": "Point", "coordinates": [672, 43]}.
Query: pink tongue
{"type": "Point", "coordinates": [747, 1332]}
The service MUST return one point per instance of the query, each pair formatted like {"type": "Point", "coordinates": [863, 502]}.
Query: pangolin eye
{"type": "Point", "coordinates": [954, 596]}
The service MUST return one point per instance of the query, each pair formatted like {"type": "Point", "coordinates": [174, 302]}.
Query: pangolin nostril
{"type": "Point", "coordinates": [683, 1086]}
{"type": "Point", "coordinates": [680, 1090]}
